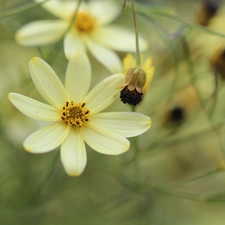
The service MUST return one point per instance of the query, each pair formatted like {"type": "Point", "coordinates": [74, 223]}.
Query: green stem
{"type": "Point", "coordinates": [138, 57]}
{"type": "Point", "coordinates": [74, 16]}
{"type": "Point", "coordinates": [21, 9]}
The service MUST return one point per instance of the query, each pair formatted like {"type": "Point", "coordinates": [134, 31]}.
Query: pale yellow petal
{"type": "Point", "coordinates": [104, 55]}
{"type": "Point", "coordinates": [47, 138]}
{"type": "Point", "coordinates": [73, 153]}
{"type": "Point", "coordinates": [78, 76]}
{"type": "Point", "coordinates": [104, 141]}
{"type": "Point", "coordinates": [102, 95]}
{"type": "Point", "coordinates": [47, 83]}
{"type": "Point", "coordinates": [34, 109]}
{"type": "Point", "coordinates": [127, 124]}
{"type": "Point", "coordinates": [42, 32]}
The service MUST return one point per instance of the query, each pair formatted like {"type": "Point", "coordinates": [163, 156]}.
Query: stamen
{"type": "Point", "coordinates": [75, 113]}
{"type": "Point", "coordinates": [85, 22]}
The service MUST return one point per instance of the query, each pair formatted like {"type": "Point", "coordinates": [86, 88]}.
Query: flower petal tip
{"type": "Point", "coordinates": [34, 59]}
{"type": "Point", "coordinates": [27, 149]}
{"type": "Point", "coordinates": [9, 95]}
{"type": "Point", "coordinates": [74, 174]}
{"type": "Point", "coordinates": [128, 148]}
{"type": "Point", "coordinates": [150, 122]}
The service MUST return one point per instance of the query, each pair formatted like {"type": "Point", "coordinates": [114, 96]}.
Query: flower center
{"type": "Point", "coordinates": [75, 113]}
{"type": "Point", "coordinates": [85, 22]}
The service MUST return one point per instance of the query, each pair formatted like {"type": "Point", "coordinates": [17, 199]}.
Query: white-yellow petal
{"type": "Point", "coordinates": [61, 9]}
{"type": "Point", "coordinates": [73, 153]}
{"type": "Point", "coordinates": [104, 55]}
{"type": "Point", "coordinates": [104, 11]}
{"type": "Point", "coordinates": [47, 83]}
{"type": "Point", "coordinates": [104, 141]}
{"type": "Point", "coordinates": [34, 109]}
{"type": "Point", "coordinates": [127, 124]}
{"type": "Point", "coordinates": [119, 38]}
{"type": "Point", "coordinates": [41, 32]}
{"type": "Point", "coordinates": [47, 138]}
{"type": "Point", "coordinates": [73, 42]}
{"type": "Point", "coordinates": [102, 95]}
{"type": "Point", "coordinates": [78, 77]}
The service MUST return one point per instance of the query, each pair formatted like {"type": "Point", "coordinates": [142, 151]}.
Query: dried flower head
{"type": "Point", "coordinates": [136, 81]}
{"type": "Point", "coordinates": [133, 85]}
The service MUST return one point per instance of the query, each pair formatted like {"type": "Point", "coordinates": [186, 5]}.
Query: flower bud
{"type": "Point", "coordinates": [132, 92]}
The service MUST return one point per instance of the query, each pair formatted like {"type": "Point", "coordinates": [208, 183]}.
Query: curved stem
{"type": "Point", "coordinates": [74, 16]}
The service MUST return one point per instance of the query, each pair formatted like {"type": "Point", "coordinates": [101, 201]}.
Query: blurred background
{"type": "Point", "coordinates": [173, 173]}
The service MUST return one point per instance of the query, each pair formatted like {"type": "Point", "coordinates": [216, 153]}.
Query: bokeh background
{"type": "Point", "coordinates": [173, 173]}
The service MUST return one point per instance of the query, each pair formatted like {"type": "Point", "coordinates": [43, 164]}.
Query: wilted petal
{"type": "Point", "coordinates": [102, 95]}
{"type": "Point", "coordinates": [104, 55]}
{"type": "Point", "coordinates": [47, 82]}
{"type": "Point", "coordinates": [41, 32]}
{"type": "Point", "coordinates": [104, 11]}
{"type": "Point", "coordinates": [47, 138]}
{"type": "Point", "coordinates": [104, 141]}
{"type": "Point", "coordinates": [127, 124]}
{"type": "Point", "coordinates": [73, 153]}
{"type": "Point", "coordinates": [34, 109]}
{"type": "Point", "coordinates": [119, 38]}
{"type": "Point", "coordinates": [78, 76]}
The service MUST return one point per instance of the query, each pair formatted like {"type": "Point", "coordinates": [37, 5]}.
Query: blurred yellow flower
{"type": "Point", "coordinates": [90, 31]}
{"type": "Point", "coordinates": [76, 114]}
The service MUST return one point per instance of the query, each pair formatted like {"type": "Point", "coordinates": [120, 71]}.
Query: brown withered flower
{"type": "Point", "coordinates": [133, 85]}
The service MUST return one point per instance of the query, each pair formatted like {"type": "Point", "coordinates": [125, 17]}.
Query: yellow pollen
{"type": "Point", "coordinates": [85, 22]}
{"type": "Point", "coordinates": [75, 113]}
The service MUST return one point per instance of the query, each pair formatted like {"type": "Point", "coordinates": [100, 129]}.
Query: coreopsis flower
{"type": "Point", "coordinates": [76, 114]}
{"type": "Point", "coordinates": [180, 107]}
{"type": "Point", "coordinates": [208, 48]}
{"type": "Point", "coordinates": [91, 31]}
{"type": "Point", "coordinates": [136, 81]}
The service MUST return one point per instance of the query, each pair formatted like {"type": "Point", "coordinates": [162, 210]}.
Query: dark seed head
{"type": "Point", "coordinates": [176, 115]}
{"type": "Point", "coordinates": [211, 6]}
{"type": "Point", "coordinates": [131, 97]}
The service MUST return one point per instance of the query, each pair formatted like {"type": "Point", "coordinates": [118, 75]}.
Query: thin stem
{"type": "Point", "coordinates": [138, 57]}
{"type": "Point", "coordinates": [20, 9]}
{"type": "Point", "coordinates": [74, 16]}
{"type": "Point", "coordinates": [124, 4]}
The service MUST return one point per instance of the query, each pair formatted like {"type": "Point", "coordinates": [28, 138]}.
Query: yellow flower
{"type": "Point", "coordinates": [91, 31]}
{"type": "Point", "coordinates": [76, 114]}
